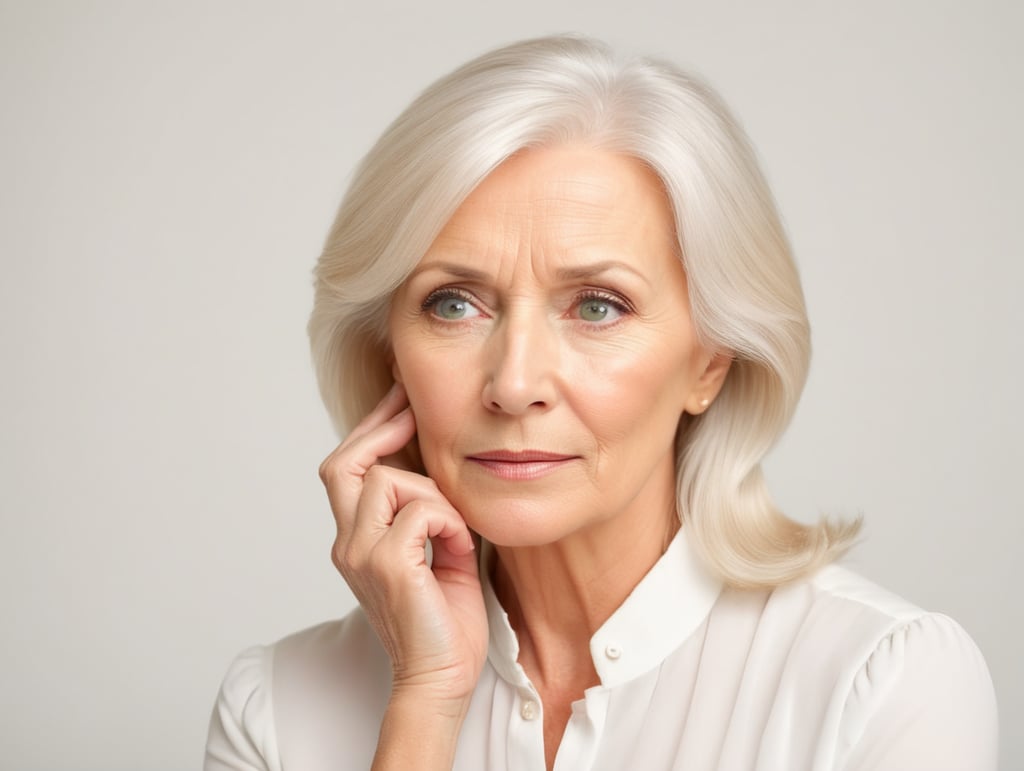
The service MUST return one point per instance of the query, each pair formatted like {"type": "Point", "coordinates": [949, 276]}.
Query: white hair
{"type": "Point", "coordinates": [744, 289]}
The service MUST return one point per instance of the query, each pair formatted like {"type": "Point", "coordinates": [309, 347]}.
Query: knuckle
{"type": "Point", "coordinates": [376, 471]}
{"type": "Point", "coordinates": [328, 469]}
{"type": "Point", "coordinates": [352, 559]}
{"type": "Point", "coordinates": [346, 559]}
{"type": "Point", "coordinates": [336, 556]}
{"type": "Point", "coordinates": [376, 476]}
{"type": "Point", "coordinates": [416, 508]}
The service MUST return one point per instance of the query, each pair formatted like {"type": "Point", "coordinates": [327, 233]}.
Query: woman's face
{"type": "Point", "coordinates": [546, 345]}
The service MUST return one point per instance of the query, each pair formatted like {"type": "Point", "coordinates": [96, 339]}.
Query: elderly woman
{"type": "Point", "coordinates": [558, 307]}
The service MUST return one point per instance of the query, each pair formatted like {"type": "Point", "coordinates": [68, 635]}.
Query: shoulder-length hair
{"type": "Point", "coordinates": [744, 289]}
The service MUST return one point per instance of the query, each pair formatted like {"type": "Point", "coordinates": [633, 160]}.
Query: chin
{"type": "Point", "coordinates": [517, 524]}
{"type": "Point", "coordinates": [535, 513]}
{"type": "Point", "coordinates": [515, 540]}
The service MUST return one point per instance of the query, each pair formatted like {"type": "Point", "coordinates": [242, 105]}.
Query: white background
{"type": "Point", "coordinates": [168, 170]}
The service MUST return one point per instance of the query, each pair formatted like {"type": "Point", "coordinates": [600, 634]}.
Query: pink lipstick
{"type": "Point", "coordinates": [521, 465]}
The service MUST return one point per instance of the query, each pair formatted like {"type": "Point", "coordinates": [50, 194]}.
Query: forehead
{"type": "Point", "coordinates": [561, 201]}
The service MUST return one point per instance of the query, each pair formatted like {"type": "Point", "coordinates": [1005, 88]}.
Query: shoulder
{"type": "Point", "coordinates": [320, 690]}
{"type": "Point", "coordinates": [910, 687]}
{"type": "Point", "coordinates": [241, 732]}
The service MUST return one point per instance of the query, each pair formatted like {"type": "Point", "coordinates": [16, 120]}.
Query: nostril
{"type": "Point", "coordinates": [521, 380]}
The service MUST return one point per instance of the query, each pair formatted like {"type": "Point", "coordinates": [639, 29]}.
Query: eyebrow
{"type": "Point", "coordinates": [452, 268]}
{"type": "Point", "coordinates": [591, 270]}
{"type": "Point", "coordinates": [596, 269]}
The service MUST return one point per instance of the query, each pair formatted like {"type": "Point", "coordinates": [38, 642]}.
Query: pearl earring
{"type": "Point", "coordinates": [704, 403]}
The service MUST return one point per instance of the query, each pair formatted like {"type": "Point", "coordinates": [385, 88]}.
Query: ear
{"type": "Point", "coordinates": [709, 383]}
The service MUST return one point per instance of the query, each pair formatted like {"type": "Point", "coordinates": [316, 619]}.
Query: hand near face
{"type": "Point", "coordinates": [430, 618]}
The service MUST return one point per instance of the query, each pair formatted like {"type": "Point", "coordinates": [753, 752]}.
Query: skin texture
{"type": "Point", "coordinates": [523, 370]}
{"type": "Point", "coordinates": [550, 316]}
{"type": "Point", "coordinates": [430, 618]}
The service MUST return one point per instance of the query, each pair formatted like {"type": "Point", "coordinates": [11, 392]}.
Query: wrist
{"type": "Point", "coordinates": [429, 704]}
{"type": "Point", "coordinates": [420, 730]}
{"type": "Point", "coordinates": [446, 688]}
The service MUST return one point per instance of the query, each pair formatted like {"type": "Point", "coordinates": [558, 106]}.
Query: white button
{"type": "Point", "coordinates": [529, 710]}
{"type": "Point", "coordinates": [613, 652]}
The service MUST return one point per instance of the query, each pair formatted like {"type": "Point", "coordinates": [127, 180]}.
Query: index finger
{"type": "Point", "coordinates": [343, 470]}
{"type": "Point", "coordinates": [389, 406]}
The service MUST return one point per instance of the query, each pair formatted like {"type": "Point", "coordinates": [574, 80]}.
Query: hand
{"type": "Point", "coordinates": [430, 618]}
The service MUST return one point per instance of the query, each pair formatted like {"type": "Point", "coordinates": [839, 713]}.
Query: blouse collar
{"type": "Point", "coordinates": [658, 616]}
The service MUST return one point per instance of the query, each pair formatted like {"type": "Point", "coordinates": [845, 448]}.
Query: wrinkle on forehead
{"type": "Point", "coordinates": [557, 208]}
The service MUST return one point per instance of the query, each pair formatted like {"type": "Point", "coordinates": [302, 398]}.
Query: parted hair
{"type": "Point", "coordinates": [744, 289]}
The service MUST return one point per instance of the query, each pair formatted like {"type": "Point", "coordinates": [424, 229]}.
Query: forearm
{"type": "Point", "coordinates": [419, 733]}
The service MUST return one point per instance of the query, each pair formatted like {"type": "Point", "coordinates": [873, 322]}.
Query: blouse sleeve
{"type": "Point", "coordinates": [241, 735]}
{"type": "Point", "coordinates": [923, 699]}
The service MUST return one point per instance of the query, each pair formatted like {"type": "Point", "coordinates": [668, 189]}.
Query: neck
{"type": "Point", "coordinates": [558, 595]}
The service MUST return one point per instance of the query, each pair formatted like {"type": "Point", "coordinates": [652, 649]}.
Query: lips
{"type": "Point", "coordinates": [520, 456]}
{"type": "Point", "coordinates": [520, 465]}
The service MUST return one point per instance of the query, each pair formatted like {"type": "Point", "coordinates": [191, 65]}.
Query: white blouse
{"type": "Point", "coordinates": [830, 673]}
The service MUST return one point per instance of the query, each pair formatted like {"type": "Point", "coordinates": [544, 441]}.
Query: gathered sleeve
{"type": "Point", "coordinates": [923, 699]}
{"type": "Point", "coordinates": [241, 735]}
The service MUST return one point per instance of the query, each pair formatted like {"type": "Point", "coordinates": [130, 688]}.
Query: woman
{"type": "Point", "coordinates": [559, 307]}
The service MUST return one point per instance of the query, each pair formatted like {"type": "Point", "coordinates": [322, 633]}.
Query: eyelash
{"type": "Point", "coordinates": [443, 294]}
{"type": "Point", "coordinates": [618, 303]}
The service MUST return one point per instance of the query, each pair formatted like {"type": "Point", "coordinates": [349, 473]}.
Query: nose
{"type": "Point", "coordinates": [521, 365]}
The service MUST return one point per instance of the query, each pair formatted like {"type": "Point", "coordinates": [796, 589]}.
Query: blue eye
{"type": "Point", "coordinates": [450, 305]}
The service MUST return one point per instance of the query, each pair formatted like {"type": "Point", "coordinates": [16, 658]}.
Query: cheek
{"type": "Point", "coordinates": [439, 383]}
{"type": "Point", "coordinates": [427, 367]}
{"type": "Point", "coordinates": [638, 381]}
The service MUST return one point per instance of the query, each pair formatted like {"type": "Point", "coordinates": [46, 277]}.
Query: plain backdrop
{"type": "Point", "coordinates": [168, 170]}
